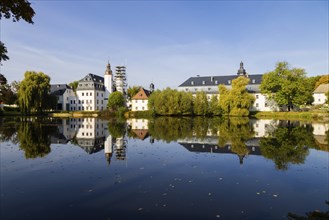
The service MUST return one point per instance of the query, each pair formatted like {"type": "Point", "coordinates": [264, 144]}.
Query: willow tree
{"type": "Point", "coordinates": [236, 101]}
{"type": "Point", "coordinates": [33, 92]}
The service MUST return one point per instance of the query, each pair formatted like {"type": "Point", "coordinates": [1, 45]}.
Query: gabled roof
{"type": "Point", "coordinates": [216, 80]}
{"type": "Point", "coordinates": [143, 94]}
{"type": "Point", "coordinates": [323, 88]}
{"type": "Point", "coordinates": [59, 89]}
{"type": "Point", "coordinates": [92, 77]}
{"type": "Point", "coordinates": [141, 133]}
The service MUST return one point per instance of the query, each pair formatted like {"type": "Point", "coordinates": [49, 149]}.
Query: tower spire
{"type": "Point", "coordinates": [241, 71]}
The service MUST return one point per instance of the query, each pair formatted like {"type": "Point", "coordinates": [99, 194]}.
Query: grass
{"type": "Point", "coordinates": [307, 116]}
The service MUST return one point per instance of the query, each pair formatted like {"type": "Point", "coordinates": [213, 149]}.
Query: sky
{"type": "Point", "coordinates": [166, 42]}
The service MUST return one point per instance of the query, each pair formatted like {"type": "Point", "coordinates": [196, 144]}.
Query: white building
{"type": "Point", "coordinates": [140, 101]}
{"type": "Point", "coordinates": [209, 85]}
{"type": "Point", "coordinates": [92, 92]}
{"type": "Point", "coordinates": [63, 94]}
{"type": "Point", "coordinates": [319, 94]}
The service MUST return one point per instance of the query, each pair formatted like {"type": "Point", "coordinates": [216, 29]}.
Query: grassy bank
{"type": "Point", "coordinates": [75, 114]}
{"type": "Point", "coordinates": [307, 116]}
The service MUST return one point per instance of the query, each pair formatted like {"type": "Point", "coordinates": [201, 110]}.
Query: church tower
{"type": "Point", "coordinates": [108, 81]}
{"type": "Point", "coordinates": [242, 71]}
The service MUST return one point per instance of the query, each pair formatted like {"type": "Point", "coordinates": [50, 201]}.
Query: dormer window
{"type": "Point", "coordinates": [253, 81]}
{"type": "Point", "coordinates": [216, 82]}
{"type": "Point", "coordinates": [192, 83]}
{"type": "Point", "coordinates": [203, 82]}
{"type": "Point", "coordinates": [229, 82]}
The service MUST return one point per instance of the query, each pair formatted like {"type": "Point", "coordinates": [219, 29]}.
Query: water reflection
{"type": "Point", "coordinates": [283, 142]}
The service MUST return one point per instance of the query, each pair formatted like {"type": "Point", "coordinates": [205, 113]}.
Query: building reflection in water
{"type": "Point", "coordinates": [92, 135]}
{"type": "Point", "coordinates": [242, 139]}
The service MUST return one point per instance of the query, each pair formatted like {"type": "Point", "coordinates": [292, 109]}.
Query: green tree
{"type": "Point", "coordinates": [15, 9]}
{"type": "Point", "coordinates": [236, 101]}
{"type": "Point", "coordinates": [3, 52]}
{"type": "Point", "coordinates": [34, 91]}
{"type": "Point", "coordinates": [327, 95]}
{"type": "Point", "coordinates": [7, 94]}
{"type": "Point", "coordinates": [214, 107]}
{"type": "Point", "coordinates": [286, 86]}
{"type": "Point", "coordinates": [74, 85]}
{"type": "Point", "coordinates": [170, 102]}
{"type": "Point", "coordinates": [310, 86]}
{"type": "Point", "coordinates": [132, 91]}
{"type": "Point", "coordinates": [185, 103]}
{"type": "Point", "coordinates": [201, 105]}
{"type": "Point", "coordinates": [115, 101]}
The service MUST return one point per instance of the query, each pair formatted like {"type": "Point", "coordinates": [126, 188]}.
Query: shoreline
{"type": "Point", "coordinates": [321, 116]}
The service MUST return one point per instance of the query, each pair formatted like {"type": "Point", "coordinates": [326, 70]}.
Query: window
{"type": "Point", "coordinates": [90, 101]}
{"type": "Point", "coordinates": [136, 108]}
{"type": "Point", "coordinates": [142, 101]}
{"type": "Point", "coordinates": [97, 102]}
{"type": "Point", "coordinates": [143, 108]}
{"type": "Point", "coordinates": [91, 94]}
{"type": "Point", "coordinates": [83, 134]}
{"type": "Point", "coordinates": [102, 103]}
{"type": "Point", "coordinates": [79, 102]}
{"type": "Point", "coordinates": [257, 96]}
{"type": "Point", "coordinates": [71, 102]}
{"type": "Point", "coordinates": [82, 101]}
{"type": "Point", "coordinates": [186, 89]}
{"type": "Point", "coordinates": [209, 89]}
{"type": "Point", "coordinates": [79, 108]}
{"type": "Point", "coordinates": [135, 101]}
{"type": "Point", "coordinates": [97, 93]}
{"type": "Point", "coordinates": [83, 94]}
{"type": "Point", "coordinates": [266, 104]}
{"type": "Point", "coordinates": [257, 105]}
{"type": "Point", "coordinates": [86, 101]}
{"type": "Point", "coordinates": [102, 94]}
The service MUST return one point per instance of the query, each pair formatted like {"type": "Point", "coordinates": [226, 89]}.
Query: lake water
{"type": "Point", "coordinates": [166, 168]}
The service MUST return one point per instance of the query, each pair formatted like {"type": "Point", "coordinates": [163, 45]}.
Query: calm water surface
{"type": "Point", "coordinates": [167, 168]}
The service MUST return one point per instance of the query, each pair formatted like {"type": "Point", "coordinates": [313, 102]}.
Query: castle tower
{"type": "Point", "coordinates": [108, 81]}
{"type": "Point", "coordinates": [108, 148]}
{"type": "Point", "coordinates": [151, 87]}
{"type": "Point", "coordinates": [242, 71]}
{"type": "Point", "coordinates": [120, 79]}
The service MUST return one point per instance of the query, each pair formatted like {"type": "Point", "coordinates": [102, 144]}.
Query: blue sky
{"type": "Point", "coordinates": [166, 42]}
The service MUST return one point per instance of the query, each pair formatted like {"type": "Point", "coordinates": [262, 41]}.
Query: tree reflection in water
{"type": "Point", "coordinates": [34, 138]}
{"type": "Point", "coordinates": [289, 143]}
{"type": "Point", "coordinates": [313, 215]}
{"type": "Point", "coordinates": [235, 131]}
